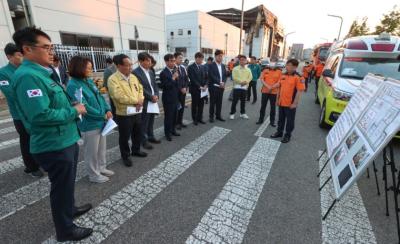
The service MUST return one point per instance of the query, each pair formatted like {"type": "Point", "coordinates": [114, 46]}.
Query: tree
{"type": "Point", "coordinates": [358, 28]}
{"type": "Point", "coordinates": [390, 23]}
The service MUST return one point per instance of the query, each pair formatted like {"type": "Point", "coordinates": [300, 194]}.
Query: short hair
{"type": "Point", "coordinates": [177, 54]}
{"type": "Point", "coordinates": [56, 58]}
{"type": "Point", "coordinates": [10, 49]}
{"type": "Point", "coordinates": [109, 60]}
{"type": "Point", "coordinates": [242, 56]}
{"type": "Point", "coordinates": [28, 36]}
{"type": "Point", "coordinates": [143, 56]}
{"type": "Point", "coordinates": [210, 59]}
{"type": "Point", "coordinates": [77, 67]}
{"type": "Point", "coordinates": [293, 61]}
{"type": "Point", "coordinates": [153, 60]}
{"type": "Point", "coordinates": [218, 52]}
{"type": "Point", "coordinates": [168, 56]}
{"type": "Point", "coordinates": [232, 60]}
{"type": "Point", "coordinates": [199, 55]}
{"type": "Point", "coordinates": [253, 57]}
{"type": "Point", "coordinates": [119, 59]}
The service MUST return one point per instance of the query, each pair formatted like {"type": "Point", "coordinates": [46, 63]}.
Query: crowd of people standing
{"type": "Point", "coordinates": [52, 110]}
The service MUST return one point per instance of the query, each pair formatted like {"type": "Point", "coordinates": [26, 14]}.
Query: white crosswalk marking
{"type": "Point", "coordinates": [10, 165]}
{"type": "Point", "coordinates": [3, 121]}
{"type": "Point", "coordinates": [9, 143]}
{"type": "Point", "coordinates": [34, 192]}
{"type": "Point", "coordinates": [262, 128]}
{"type": "Point", "coordinates": [7, 130]}
{"type": "Point", "coordinates": [348, 221]}
{"type": "Point", "coordinates": [120, 207]}
{"type": "Point", "coordinates": [227, 219]}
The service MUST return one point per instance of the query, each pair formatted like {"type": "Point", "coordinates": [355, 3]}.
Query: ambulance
{"type": "Point", "coordinates": [348, 62]}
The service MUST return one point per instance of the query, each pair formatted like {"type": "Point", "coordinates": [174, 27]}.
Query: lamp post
{"type": "Point", "coordinates": [284, 43]}
{"type": "Point", "coordinates": [341, 23]}
{"type": "Point", "coordinates": [241, 29]}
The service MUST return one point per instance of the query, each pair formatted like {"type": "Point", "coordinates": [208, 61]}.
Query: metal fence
{"type": "Point", "coordinates": [97, 55]}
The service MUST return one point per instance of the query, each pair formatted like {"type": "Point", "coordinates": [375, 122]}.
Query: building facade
{"type": "Point", "coordinates": [190, 32]}
{"type": "Point", "coordinates": [297, 51]}
{"type": "Point", "coordinates": [107, 24]}
{"type": "Point", "coordinates": [263, 34]}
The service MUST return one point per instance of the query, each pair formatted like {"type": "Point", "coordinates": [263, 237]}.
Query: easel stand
{"type": "Point", "coordinates": [388, 160]}
{"type": "Point", "coordinates": [326, 182]}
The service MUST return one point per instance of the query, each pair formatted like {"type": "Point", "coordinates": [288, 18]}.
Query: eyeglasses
{"type": "Point", "coordinates": [48, 48]}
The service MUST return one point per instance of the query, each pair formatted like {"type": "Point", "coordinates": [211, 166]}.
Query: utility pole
{"type": "Point", "coordinates": [241, 29]}
{"type": "Point", "coordinates": [341, 23]}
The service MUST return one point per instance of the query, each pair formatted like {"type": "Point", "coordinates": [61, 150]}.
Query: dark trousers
{"type": "Point", "coordinates": [170, 111]}
{"type": "Point", "coordinates": [216, 95]}
{"type": "Point", "coordinates": [29, 162]}
{"type": "Point", "coordinates": [197, 106]}
{"type": "Point", "coordinates": [113, 109]}
{"type": "Point", "coordinates": [239, 94]}
{"type": "Point", "coordinates": [147, 126]}
{"type": "Point", "coordinates": [286, 116]}
{"type": "Point", "coordinates": [61, 168]}
{"type": "Point", "coordinates": [129, 127]}
{"type": "Point", "coordinates": [265, 97]}
{"type": "Point", "coordinates": [252, 87]}
{"type": "Point", "coordinates": [179, 116]}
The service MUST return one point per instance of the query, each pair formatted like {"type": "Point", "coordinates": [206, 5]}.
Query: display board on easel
{"type": "Point", "coordinates": [369, 122]}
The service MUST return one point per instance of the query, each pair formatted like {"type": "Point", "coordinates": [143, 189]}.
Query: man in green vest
{"type": "Point", "coordinates": [50, 119]}
{"type": "Point", "coordinates": [15, 58]}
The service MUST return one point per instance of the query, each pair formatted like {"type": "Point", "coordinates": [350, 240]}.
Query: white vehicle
{"type": "Point", "coordinates": [349, 61]}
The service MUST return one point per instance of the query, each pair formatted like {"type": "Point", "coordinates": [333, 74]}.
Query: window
{"type": "Point", "coordinates": [144, 46]}
{"type": "Point", "coordinates": [189, 32]}
{"type": "Point", "coordinates": [205, 50]}
{"type": "Point", "coordinates": [70, 39]}
{"type": "Point", "coordinates": [180, 32]}
{"type": "Point", "coordinates": [172, 33]}
{"type": "Point", "coordinates": [180, 49]}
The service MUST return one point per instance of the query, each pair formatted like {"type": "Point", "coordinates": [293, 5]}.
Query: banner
{"type": "Point", "coordinates": [369, 122]}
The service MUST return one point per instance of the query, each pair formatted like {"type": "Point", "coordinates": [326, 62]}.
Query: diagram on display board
{"type": "Point", "coordinates": [370, 120]}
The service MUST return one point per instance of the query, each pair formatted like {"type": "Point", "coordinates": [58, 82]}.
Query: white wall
{"type": "Point", "coordinates": [98, 18]}
{"type": "Point", "coordinates": [6, 30]}
{"type": "Point", "coordinates": [213, 33]}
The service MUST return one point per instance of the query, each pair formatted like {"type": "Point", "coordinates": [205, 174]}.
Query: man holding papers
{"type": "Point", "coordinates": [241, 76]}
{"type": "Point", "coordinates": [198, 87]}
{"type": "Point", "coordinates": [216, 76]}
{"type": "Point", "coordinates": [127, 94]}
{"type": "Point", "coordinates": [147, 78]}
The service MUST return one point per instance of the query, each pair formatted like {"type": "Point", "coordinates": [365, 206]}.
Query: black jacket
{"type": "Point", "coordinates": [139, 73]}
{"type": "Point", "coordinates": [213, 75]}
{"type": "Point", "coordinates": [169, 87]}
{"type": "Point", "coordinates": [197, 76]}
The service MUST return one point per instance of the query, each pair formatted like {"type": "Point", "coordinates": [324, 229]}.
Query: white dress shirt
{"type": "Point", "coordinates": [147, 73]}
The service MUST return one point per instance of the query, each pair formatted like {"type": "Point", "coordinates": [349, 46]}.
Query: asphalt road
{"type": "Point", "coordinates": [219, 182]}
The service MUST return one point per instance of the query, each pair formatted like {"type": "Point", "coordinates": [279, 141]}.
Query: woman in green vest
{"type": "Point", "coordinates": [81, 88]}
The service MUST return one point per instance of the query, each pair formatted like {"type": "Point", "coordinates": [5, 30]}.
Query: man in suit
{"type": "Point", "coordinates": [183, 83]}
{"type": "Point", "coordinates": [216, 83]}
{"type": "Point", "coordinates": [148, 80]}
{"type": "Point", "coordinates": [60, 71]}
{"type": "Point", "coordinates": [198, 83]}
{"type": "Point", "coordinates": [169, 83]}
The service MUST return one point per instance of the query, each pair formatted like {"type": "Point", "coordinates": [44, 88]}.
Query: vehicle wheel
{"type": "Point", "coordinates": [322, 123]}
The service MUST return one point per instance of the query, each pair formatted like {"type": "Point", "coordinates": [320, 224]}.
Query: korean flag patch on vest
{"type": "Point", "coordinates": [4, 83]}
{"type": "Point", "coordinates": [34, 93]}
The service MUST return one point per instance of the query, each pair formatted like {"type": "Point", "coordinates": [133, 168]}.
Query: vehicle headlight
{"type": "Point", "coordinates": [341, 95]}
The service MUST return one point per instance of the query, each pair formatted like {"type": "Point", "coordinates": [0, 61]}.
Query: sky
{"type": "Point", "coordinates": [308, 18]}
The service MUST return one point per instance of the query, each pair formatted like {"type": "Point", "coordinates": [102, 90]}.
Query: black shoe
{"type": "Point", "coordinates": [254, 102]}
{"type": "Point", "coordinates": [76, 234]}
{"type": "Point", "coordinates": [147, 146]}
{"type": "Point", "coordinates": [154, 141]}
{"type": "Point", "coordinates": [36, 174]}
{"type": "Point", "coordinates": [179, 127]}
{"type": "Point", "coordinates": [175, 134]}
{"type": "Point", "coordinates": [273, 124]}
{"type": "Point", "coordinates": [195, 123]}
{"type": "Point", "coordinates": [168, 138]}
{"type": "Point", "coordinates": [220, 119]}
{"type": "Point", "coordinates": [286, 139]}
{"type": "Point", "coordinates": [248, 100]}
{"type": "Point", "coordinates": [183, 126]}
{"type": "Point", "coordinates": [276, 135]}
{"type": "Point", "coordinates": [259, 122]}
{"type": "Point", "coordinates": [202, 122]}
{"type": "Point", "coordinates": [82, 210]}
{"type": "Point", "coordinates": [140, 154]}
{"type": "Point", "coordinates": [127, 162]}
{"type": "Point", "coordinates": [211, 120]}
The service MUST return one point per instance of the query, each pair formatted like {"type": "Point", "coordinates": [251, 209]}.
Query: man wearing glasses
{"type": "Point", "coordinates": [49, 117]}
